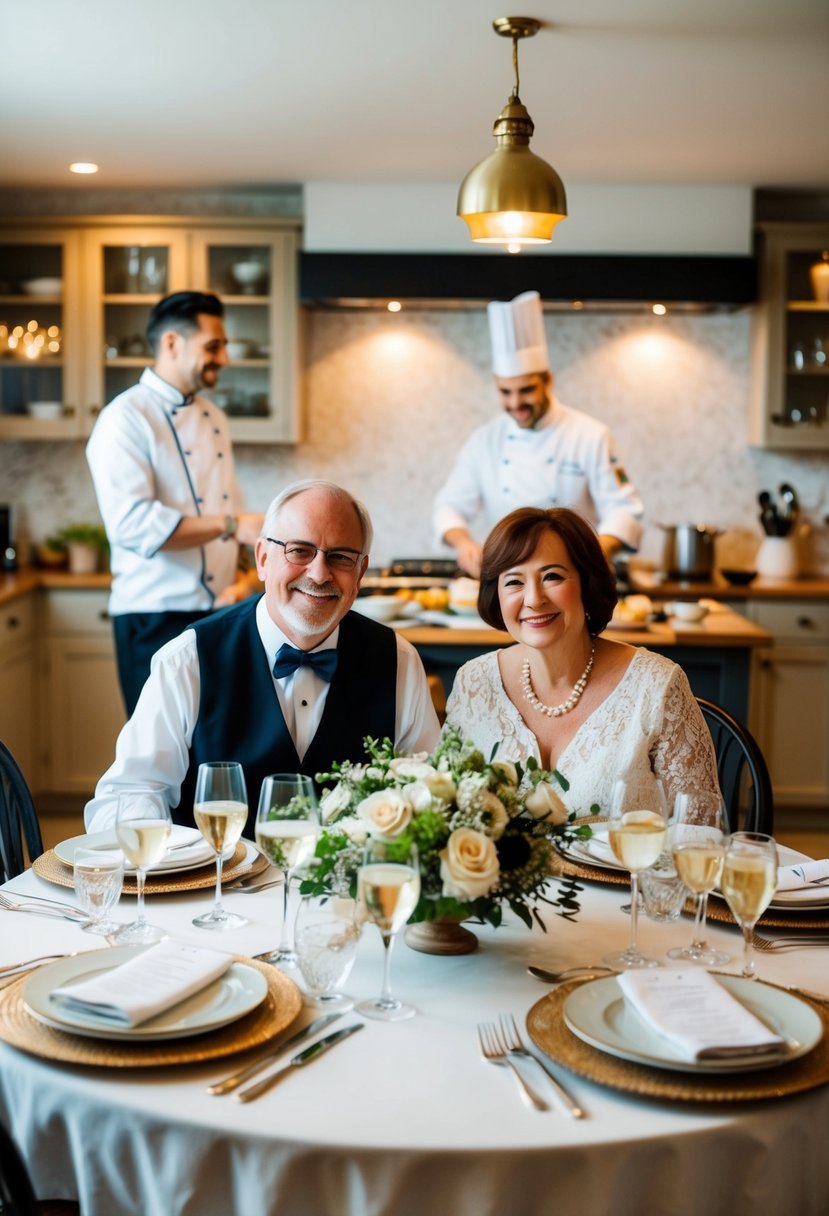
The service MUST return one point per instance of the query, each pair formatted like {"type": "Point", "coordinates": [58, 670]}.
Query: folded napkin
{"type": "Point", "coordinates": [801, 877]}
{"type": "Point", "coordinates": [598, 846]}
{"type": "Point", "coordinates": [697, 1014]}
{"type": "Point", "coordinates": [152, 981]}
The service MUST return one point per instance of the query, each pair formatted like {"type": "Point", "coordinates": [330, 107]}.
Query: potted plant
{"type": "Point", "coordinates": [85, 545]}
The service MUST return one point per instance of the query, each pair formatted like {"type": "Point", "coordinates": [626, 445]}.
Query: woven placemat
{"type": "Point", "coordinates": [279, 1008]}
{"type": "Point", "coordinates": [772, 918]}
{"type": "Point", "coordinates": [50, 867]}
{"type": "Point", "coordinates": [547, 1029]}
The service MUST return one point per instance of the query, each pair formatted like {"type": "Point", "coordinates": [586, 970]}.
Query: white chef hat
{"type": "Point", "coordinates": [516, 331]}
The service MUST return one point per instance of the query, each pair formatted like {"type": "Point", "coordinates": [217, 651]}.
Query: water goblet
{"type": "Point", "coordinates": [749, 880]}
{"type": "Point", "coordinates": [287, 822]}
{"type": "Point", "coordinates": [142, 827]}
{"type": "Point", "coordinates": [98, 876]}
{"type": "Point", "coordinates": [326, 936]}
{"type": "Point", "coordinates": [220, 809]}
{"type": "Point", "coordinates": [663, 891]}
{"type": "Point", "coordinates": [388, 884]}
{"type": "Point", "coordinates": [698, 839]}
{"type": "Point", "coordinates": [637, 827]}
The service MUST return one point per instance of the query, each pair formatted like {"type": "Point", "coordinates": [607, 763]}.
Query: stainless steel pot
{"type": "Point", "coordinates": [689, 550]}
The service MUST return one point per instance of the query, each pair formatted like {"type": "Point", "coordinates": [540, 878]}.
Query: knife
{"type": "Point", "coordinates": [304, 1057]}
{"type": "Point", "coordinates": [236, 1079]}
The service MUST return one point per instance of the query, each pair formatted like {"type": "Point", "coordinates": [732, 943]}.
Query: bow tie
{"type": "Point", "coordinates": [288, 659]}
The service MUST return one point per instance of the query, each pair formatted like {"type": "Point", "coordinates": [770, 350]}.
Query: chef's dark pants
{"type": "Point", "coordinates": [138, 635]}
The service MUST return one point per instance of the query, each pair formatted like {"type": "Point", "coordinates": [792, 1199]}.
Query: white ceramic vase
{"type": "Point", "coordinates": [777, 558]}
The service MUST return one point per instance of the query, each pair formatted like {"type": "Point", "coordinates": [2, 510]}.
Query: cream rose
{"type": "Point", "coordinates": [544, 803]}
{"type": "Point", "coordinates": [418, 796]}
{"type": "Point", "coordinates": [334, 802]}
{"type": "Point", "coordinates": [386, 812]}
{"type": "Point", "coordinates": [355, 829]}
{"type": "Point", "coordinates": [498, 817]}
{"type": "Point", "coordinates": [507, 771]}
{"type": "Point", "coordinates": [440, 784]}
{"type": "Point", "coordinates": [411, 766]}
{"type": "Point", "coordinates": [468, 865]}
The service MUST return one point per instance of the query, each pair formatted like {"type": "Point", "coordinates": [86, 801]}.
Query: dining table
{"type": "Point", "coordinates": [407, 1118]}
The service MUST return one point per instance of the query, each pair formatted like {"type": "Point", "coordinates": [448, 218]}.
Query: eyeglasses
{"type": "Point", "coordinates": [299, 553]}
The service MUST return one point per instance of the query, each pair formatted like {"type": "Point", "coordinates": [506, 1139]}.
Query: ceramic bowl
{"type": "Point", "coordinates": [463, 596]}
{"type": "Point", "coordinates": [239, 348]}
{"type": "Point", "coordinates": [42, 287]}
{"type": "Point", "coordinates": [377, 607]}
{"type": "Point", "coordinates": [44, 409]}
{"type": "Point", "coordinates": [739, 578]}
{"type": "Point", "coordinates": [688, 610]}
{"type": "Point", "coordinates": [247, 273]}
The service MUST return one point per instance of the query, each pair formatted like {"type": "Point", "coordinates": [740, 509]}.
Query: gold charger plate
{"type": "Point", "coordinates": [279, 1008]}
{"type": "Point", "coordinates": [718, 910]}
{"type": "Point", "coordinates": [546, 1028]}
{"type": "Point", "coordinates": [50, 867]}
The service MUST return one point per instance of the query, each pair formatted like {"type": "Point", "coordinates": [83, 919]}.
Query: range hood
{"type": "Point", "coordinates": [599, 283]}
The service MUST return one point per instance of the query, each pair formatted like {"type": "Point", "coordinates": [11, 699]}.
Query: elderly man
{"type": "Point", "coordinates": [539, 453]}
{"type": "Point", "coordinates": [287, 682]}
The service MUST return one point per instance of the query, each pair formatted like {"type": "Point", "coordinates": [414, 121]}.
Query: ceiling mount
{"type": "Point", "coordinates": [516, 27]}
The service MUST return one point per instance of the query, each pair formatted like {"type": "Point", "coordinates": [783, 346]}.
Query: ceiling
{"type": "Point", "coordinates": [219, 93]}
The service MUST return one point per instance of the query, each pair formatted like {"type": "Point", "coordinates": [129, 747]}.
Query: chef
{"type": "Point", "coordinates": [538, 453]}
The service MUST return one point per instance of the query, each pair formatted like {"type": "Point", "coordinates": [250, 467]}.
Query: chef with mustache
{"type": "Point", "coordinates": [288, 682]}
{"type": "Point", "coordinates": [538, 453]}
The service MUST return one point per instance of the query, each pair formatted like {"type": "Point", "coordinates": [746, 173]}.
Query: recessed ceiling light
{"type": "Point", "coordinates": [83, 166]}
{"type": "Point", "coordinates": [394, 306]}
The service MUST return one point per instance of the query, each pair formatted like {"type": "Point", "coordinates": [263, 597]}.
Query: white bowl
{"type": "Point", "coordinates": [239, 348]}
{"type": "Point", "coordinates": [42, 287]}
{"type": "Point", "coordinates": [247, 273]}
{"type": "Point", "coordinates": [687, 610]}
{"type": "Point", "coordinates": [463, 596]}
{"type": "Point", "coordinates": [45, 409]}
{"type": "Point", "coordinates": [377, 607]}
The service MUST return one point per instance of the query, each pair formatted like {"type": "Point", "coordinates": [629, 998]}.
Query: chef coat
{"type": "Point", "coordinates": [156, 457]}
{"type": "Point", "coordinates": [567, 460]}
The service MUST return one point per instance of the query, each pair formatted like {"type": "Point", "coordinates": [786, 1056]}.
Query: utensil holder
{"type": "Point", "coordinates": [777, 558]}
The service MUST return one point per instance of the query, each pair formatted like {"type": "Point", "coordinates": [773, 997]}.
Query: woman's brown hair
{"type": "Point", "coordinates": [515, 539]}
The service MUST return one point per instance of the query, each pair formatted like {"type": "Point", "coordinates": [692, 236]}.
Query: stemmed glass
{"type": "Point", "coordinates": [749, 880]}
{"type": "Point", "coordinates": [327, 933]}
{"type": "Point", "coordinates": [220, 808]}
{"type": "Point", "coordinates": [287, 823]}
{"type": "Point", "coordinates": [98, 876]}
{"type": "Point", "coordinates": [388, 884]}
{"type": "Point", "coordinates": [143, 827]}
{"type": "Point", "coordinates": [698, 830]}
{"type": "Point", "coordinates": [636, 831]}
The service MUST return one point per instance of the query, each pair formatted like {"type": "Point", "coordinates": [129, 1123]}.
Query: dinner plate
{"type": "Point", "coordinates": [196, 855]}
{"type": "Point", "coordinates": [807, 899]}
{"type": "Point", "coordinates": [598, 1013]}
{"type": "Point", "coordinates": [228, 998]}
{"type": "Point", "coordinates": [593, 851]}
{"type": "Point", "coordinates": [452, 620]}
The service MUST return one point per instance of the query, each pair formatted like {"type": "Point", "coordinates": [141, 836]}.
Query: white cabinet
{"type": "Point", "coordinates": [18, 683]}
{"type": "Point", "coordinates": [790, 699]}
{"type": "Point", "coordinates": [83, 710]}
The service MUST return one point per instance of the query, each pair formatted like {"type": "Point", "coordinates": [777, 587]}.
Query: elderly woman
{"type": "Point", "coordinates": [594, 709]}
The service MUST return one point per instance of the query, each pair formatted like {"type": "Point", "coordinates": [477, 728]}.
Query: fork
{"type": "Point", "coordinates": [770, 945]}
{"type": "Point", "coordinates": [514, 1045]}
{"type": "Point", "coordinates": [493, 1050]}
{"type": "Point", "coordinates": [42, 907]}
{"type": "Point", "coordinates": [251, 888]}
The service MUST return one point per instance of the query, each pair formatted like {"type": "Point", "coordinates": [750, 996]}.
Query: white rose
{"type": "Point", "coordinates": [468, 865]}
{"type": "Point", "coordinates": [411, 766]}
{"type": "Point", "coordinates": [440, 784]}
{"type": "Point", "coordinates": [386, 812]}
{"type": "Point", "coordinates": [355, 829]}
{"type": "Point", "coordinates": [544, 803]}
{"type": "Point", "coordinates": [498, 817]}
{"type": "Point", "coordinates": [334, 802]}
{"type": "Point", "coordinates": [418, 796]}
{"type": "Point", "coordinates": [506, 770]}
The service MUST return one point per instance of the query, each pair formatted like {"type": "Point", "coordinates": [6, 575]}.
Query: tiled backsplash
{"type": "Point", "coordinates": [389, 398]}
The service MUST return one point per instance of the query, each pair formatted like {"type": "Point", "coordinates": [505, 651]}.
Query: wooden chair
{"type": "Point", "coordinates": [18, 819]}
{"type": "Point", "coordinates": [743, 773]}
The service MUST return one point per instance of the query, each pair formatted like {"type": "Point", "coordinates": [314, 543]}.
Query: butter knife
{"type": "Point", "coordinates": [305, 1057]}
{"type": "Point", "coordinates": [238, 1078]}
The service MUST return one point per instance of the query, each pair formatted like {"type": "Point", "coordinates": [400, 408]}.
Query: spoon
{"type": "Point", "coordinates": [588, 972]}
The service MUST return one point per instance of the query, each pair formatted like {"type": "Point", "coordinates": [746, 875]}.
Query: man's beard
{"type": "Point", "coordinates": [309, 619]}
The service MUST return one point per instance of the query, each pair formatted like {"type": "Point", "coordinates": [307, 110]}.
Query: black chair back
{"type": "Point", "coordinates": [742, 770]}
{"type": "Point", "coordinates": [18, 819]}
{"type": "Point", "coordinates": [16, 1194]}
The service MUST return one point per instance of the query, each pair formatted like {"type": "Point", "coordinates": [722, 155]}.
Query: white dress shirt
{"type": "Point", "coordinates": [155, 459]}
{"type": "Point", "coordinates": [152, 752]}
{"type": "Point", "coordinates": [567, 460]}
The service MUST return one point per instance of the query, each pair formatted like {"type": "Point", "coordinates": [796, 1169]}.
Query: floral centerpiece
{"type": "Point", "coordinates": [483, 829]}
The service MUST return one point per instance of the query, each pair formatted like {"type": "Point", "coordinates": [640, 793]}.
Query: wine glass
{"type": "Point", "coordinates": [388, 884]}
{"type": "Point", "coordinates": [326, 934]}
{"type": "Point", "coordinates": [143, 827]}
{"type": "Point", "coordinates": [637, 828]}
{"type": "Point", "coordinates": [749, 880]}
{"type": "Point", "coordinates": [287, 822]}
{"type": "Point", "coordinates": [98, 876]}
{"type": "Point", "coordinates": [220, 808]}
{"type": "Point", "coordinates": [698, 831]}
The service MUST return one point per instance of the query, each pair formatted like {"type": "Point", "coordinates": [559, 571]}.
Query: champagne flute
{"type": "Point", "coordinates": [287, 822]}
{"type": "Point", "coordinates": [749, 880]}
{"type": "Point", "coordinates": [143, 827]}
{"type": "Point", "coordinates": [636, 832]}
{"type": "Point", "coordinates": [698, 829]}
{"type": "Point", "coordinates": [388, 884]}
{"type": "Point", "coordinates": [98, 876]}
{"type": "Point", "coordinates": [220, 809]}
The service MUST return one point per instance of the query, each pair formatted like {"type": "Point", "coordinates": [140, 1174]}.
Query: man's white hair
{"type": "Point", "coordinates": [299, 487]}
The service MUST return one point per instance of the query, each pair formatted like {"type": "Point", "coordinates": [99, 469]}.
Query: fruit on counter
{"type": "Point", "coordinates": [435, 598]}
{"type": "Point", "coordinates": [632, 610]}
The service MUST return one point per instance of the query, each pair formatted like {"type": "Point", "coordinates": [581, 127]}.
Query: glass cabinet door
{"type": "Point", "coordinates": [39, 334]}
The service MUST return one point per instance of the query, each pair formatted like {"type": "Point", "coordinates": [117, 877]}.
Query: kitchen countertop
{"type": "Point", "coordinates": [15, 583]}
{"type": "Point", "coordinates": [814, 587]}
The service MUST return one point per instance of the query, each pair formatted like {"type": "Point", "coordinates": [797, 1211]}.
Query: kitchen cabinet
{"type": "Point", "coordinates": [82, 707]}
{"type": "Point", "coordinates": [790, 699]}
{"type": "Point", "coordinates": [105, 277]}
{"type": "Point", "coordinates": [790, 342]}
{"type": "Point", "coordinates": [18, 681]}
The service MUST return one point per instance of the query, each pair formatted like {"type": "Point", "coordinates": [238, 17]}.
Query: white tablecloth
{"type": "Point", "coordinates": [405, 1119]}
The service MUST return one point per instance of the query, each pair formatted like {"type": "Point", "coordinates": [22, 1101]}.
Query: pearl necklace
{"type": "Point", "coordinates": [555, 711]}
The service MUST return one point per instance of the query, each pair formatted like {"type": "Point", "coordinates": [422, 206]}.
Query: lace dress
{"type": "Point", "coordinates": [649, 726]}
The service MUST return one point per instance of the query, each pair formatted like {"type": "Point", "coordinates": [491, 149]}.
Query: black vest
{"type": "Point", "coordinates": [239, 714]}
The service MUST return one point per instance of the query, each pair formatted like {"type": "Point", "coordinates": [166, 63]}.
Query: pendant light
{"type": "Point", "coordinates": [512, 197]}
